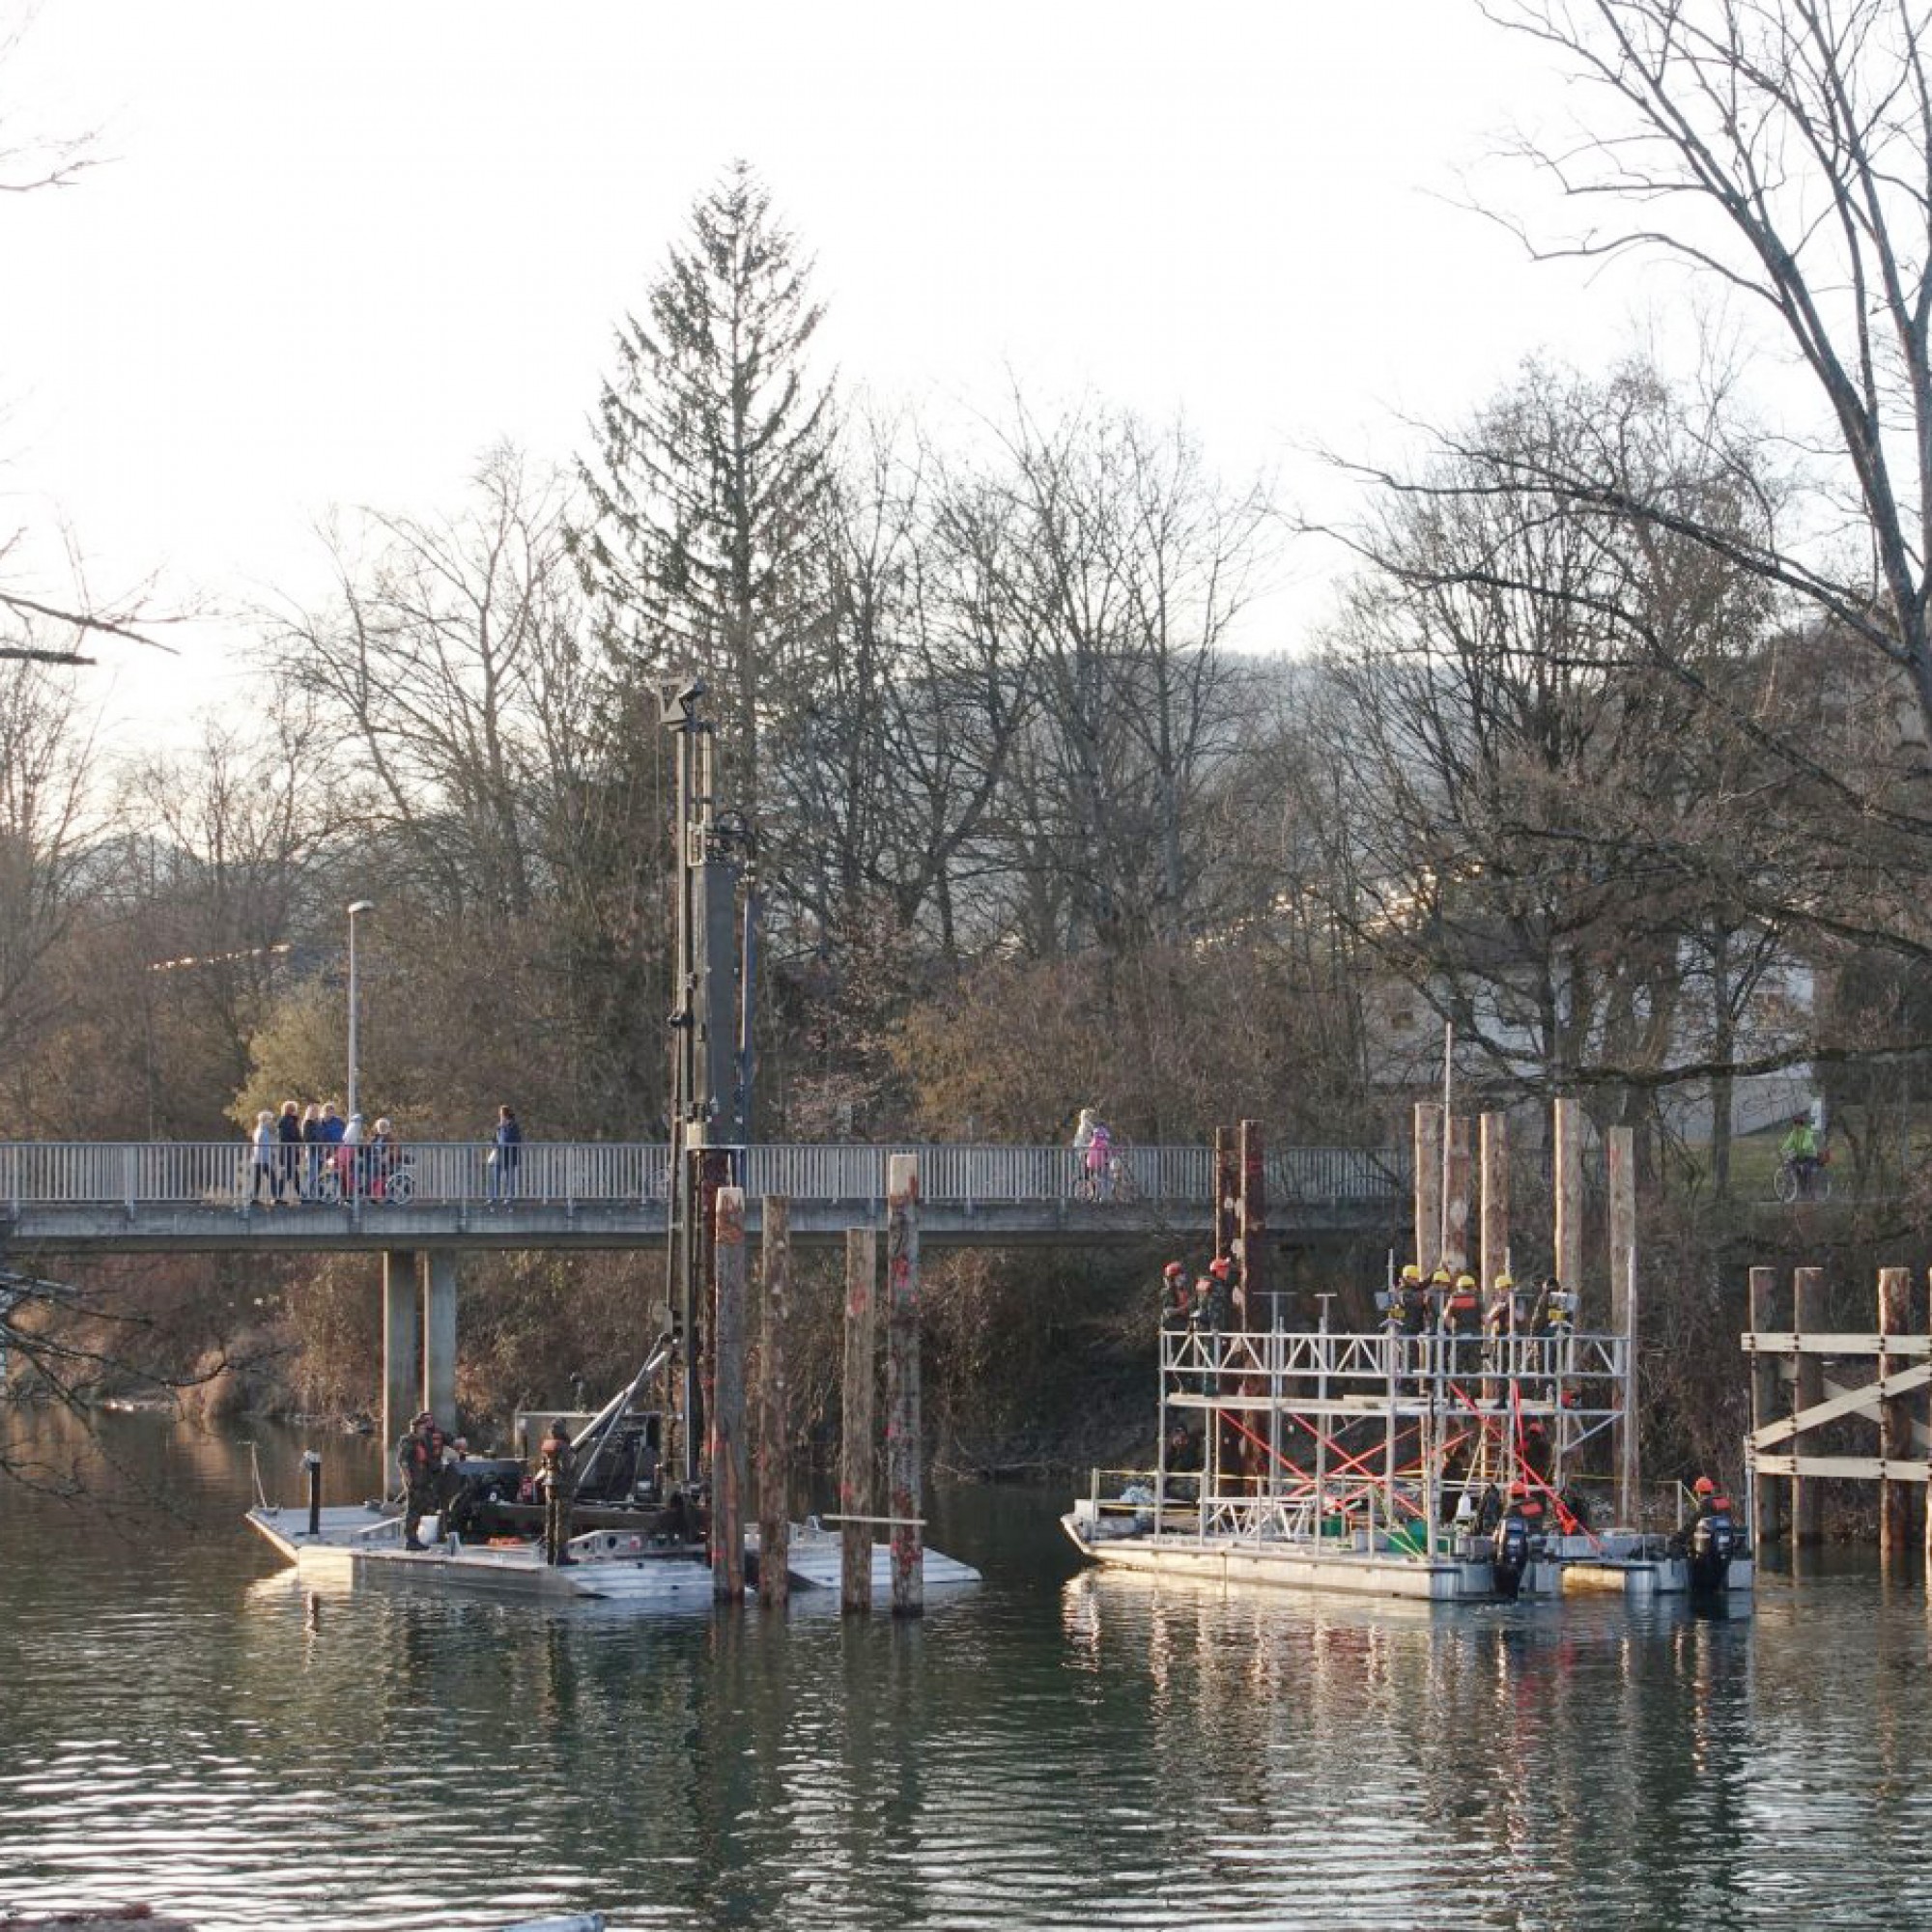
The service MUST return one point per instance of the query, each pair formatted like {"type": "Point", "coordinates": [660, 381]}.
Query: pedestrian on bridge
{"type": "Point", "coordinates": [288, 1137]}
{"type": "Point", "coordinates": [505, 1157]}
{"type": "Point", "coordinates": [312, 1151]}
{"type": "Point", "coordinates": [268, 1151]}
{"type": "Point", "coordinates": [1094, 1143]}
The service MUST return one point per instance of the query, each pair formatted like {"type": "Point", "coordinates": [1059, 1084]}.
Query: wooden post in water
{"type": "Point", "coordinates": [855, 1459]}
{"type": "Point", "coordinates": [1620, 1177]}
{"type": "Point", "coordinates": [903, 1430]}
{"type": "Point", "coordinates": [1807, 1497]}
{"type": "Point", "coordinates": [1492, 1158]}
{"type": "Point", "coordinates": [775, 1411]}
{"type": "Point", "coordinates": [1894, 1417]}
{"type": "Point", "coordinates": [1767, 1493]}
{"type": "Point", "coordinates": [1568, 1175]}
{"type": "Point", "coordinates": [1620, 1184]}
{"type": "Point", "coordinates": [1927, 1520]}
{"type": "Point", "coordinates": [1251, 1275]}
{"type": "Point", "coordinates": [1456, 1170]}
{"type": "Point", "coordinates": [727, 1401]}
{"type": "Point", "coordinates": [1428, 1186]}
{"type": "Point", "coordinates": [1227, 1189]}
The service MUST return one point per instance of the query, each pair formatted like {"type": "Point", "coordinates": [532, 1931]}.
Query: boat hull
{"type": "Point", "coordinates": [361, 1545]}
{"type": "Point", "coordinates": [1612, 1562]}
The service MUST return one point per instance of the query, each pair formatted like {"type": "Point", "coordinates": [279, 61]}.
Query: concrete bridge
{"type": "Point", "coordinates": [153, 1197]}
{"type": "Point", "coordinates": [202, 1197]}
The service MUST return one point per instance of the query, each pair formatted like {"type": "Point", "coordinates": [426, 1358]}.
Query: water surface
{"type": "Point", "coordinates": [185, 1725]}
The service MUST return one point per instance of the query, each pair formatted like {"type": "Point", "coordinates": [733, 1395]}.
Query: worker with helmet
{"type": "Point", "coordinates": [1498, 1326]}
{"type": "Point", "coordinates": [1709, 1540]}
{"type": "Point", "coordinates": [1176, 1300]}
{"type": "Point", "coordinates": [419, 1469]}
{"type": "Point", "coordinates": [1499, 1317]}
{"type": "Point", "coordinates": [1510, 1544]}
{"type": "Point", "coordinates": [1216, 1290]}
{"type": "Point", "coordinates": [1710, 1500]}
{"type": "Point", "coordinates": [556, 1470]}
{"type": "Point", "coordinates": [1406, 1302]}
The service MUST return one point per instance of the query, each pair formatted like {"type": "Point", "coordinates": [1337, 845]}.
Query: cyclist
{"type": "Point", "coordinates": [1800, 1151]}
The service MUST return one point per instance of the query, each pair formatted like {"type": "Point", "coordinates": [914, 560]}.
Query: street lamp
{"type": "Point", "coordinates": [361, 905]}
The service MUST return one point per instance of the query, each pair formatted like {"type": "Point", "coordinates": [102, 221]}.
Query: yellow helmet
{"type": "Point", "coordinates": [1411, 1272]}
{"type": "Point", "coordinates": [1466, 1281]}
{"type": "Point", "coordinates": [1440, 1278]}
{"type": "Point", "coordinates": [1504, 1283]}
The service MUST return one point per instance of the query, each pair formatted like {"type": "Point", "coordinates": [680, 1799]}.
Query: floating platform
{"type": "Point", "coordinates": [359, 1543]}
{"type": "Point", "coordinates": [1122, 1537]}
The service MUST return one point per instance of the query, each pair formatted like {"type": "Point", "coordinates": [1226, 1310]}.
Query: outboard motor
{"type": "Point", "coordinates": [1714, 1542]}
{"type": "Point", "coordinates": [1510, 1550]}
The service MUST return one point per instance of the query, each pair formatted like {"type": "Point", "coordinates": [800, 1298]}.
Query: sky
{"type": "Point", "coordinates": [330, 255]}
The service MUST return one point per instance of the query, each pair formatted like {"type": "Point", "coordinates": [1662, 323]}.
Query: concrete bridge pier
{"type": "Point", "coordinates": [402, 1337]}
{"type": "Point", "coordinates": [439, 1383]}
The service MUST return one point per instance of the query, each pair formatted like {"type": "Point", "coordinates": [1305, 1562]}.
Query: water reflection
{"type": "Point", "coordinates": [190, 1726]}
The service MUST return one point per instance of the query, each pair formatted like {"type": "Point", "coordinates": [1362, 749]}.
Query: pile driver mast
{"type": "Point", "coordinates": [711, 1044]}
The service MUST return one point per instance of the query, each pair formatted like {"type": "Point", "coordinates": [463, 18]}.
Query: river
{"type": "Point", "coordinates": [184, 1725]}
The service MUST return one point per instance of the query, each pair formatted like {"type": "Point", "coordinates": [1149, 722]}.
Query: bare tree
{"type": "Point", "coordinates": [1130, 565]}
{"type": "Point", "coordinates": [47, 824]}
{"type": "Point", "coordinates": [1780, 148]}
{"type": "Point", "coordinates": [448, 658]}
{"type": "Point", "coordinates": [40, 628]}
{"type": "Point", "coordinates": [1546, 829]}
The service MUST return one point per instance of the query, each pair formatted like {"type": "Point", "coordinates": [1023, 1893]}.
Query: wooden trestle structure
{"type": "Point", "coordinates": [1799, 1384]}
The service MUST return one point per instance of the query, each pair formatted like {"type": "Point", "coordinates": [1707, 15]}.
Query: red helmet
{"type": "Point", "coordinates": [1174, 1271]}
{"type": "Point", "coordinates": [1519, 1487]}
{"type": "Point", "coordinates": [1219, 1267]}
{"type": "Point", "coordinates": [1703, 1487]}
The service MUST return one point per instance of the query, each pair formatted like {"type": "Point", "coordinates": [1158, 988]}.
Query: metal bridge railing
{"type": "Point", "coordinates": [162, 1173]}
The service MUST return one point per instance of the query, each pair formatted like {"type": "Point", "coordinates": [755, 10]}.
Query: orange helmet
{"type": "Point", "coordinates": [1519, 1487]}
{"type": "Point", "coordinates": [1703, 1487]}
{"type": "Point", "coordinates": [1219, 1267]}
{"type": "Point", "coordinates": [1174, 1271]}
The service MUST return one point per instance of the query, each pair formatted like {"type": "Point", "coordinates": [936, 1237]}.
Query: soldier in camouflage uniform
{"type": "Point", "coordinates": [419, 1464]}
{"type": "Point", "coordinates": [556, 1464]}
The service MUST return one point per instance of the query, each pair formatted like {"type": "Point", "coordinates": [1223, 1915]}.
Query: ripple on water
{"type": "Point", "coordinates": [1047, 1752]}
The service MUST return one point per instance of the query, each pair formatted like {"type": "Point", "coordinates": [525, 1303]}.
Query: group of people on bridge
{"type": "Point", "coordinates": [312, 1155]}
{"type": "Point", "coordinates": [308, 1154]}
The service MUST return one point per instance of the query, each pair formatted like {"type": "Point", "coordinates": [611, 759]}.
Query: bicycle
{"type": "Point", "coordinates": [1803, 1181]}
{"type": "Point", "coordinates": [397, 1187]}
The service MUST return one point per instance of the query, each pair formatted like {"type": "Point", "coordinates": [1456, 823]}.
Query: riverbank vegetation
{"type": "Point", "coordinates": [1613, 755]}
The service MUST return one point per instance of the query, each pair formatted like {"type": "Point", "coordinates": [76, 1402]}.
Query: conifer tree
{"type": "Point", "coordinates": [709, 476]}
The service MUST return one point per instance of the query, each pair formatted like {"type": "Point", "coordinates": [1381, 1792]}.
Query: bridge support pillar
{"type": "Point", "coordinates": [400, 1337]}
{"type": "Point", "coordinates": [437, 1269]}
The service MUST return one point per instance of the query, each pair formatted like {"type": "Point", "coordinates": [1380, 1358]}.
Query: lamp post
{"type": "Point", "coordinates": [359, 905]}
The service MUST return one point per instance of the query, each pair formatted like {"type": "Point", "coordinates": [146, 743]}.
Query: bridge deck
{"type": "Point", "coordinates": [200, 1197]}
